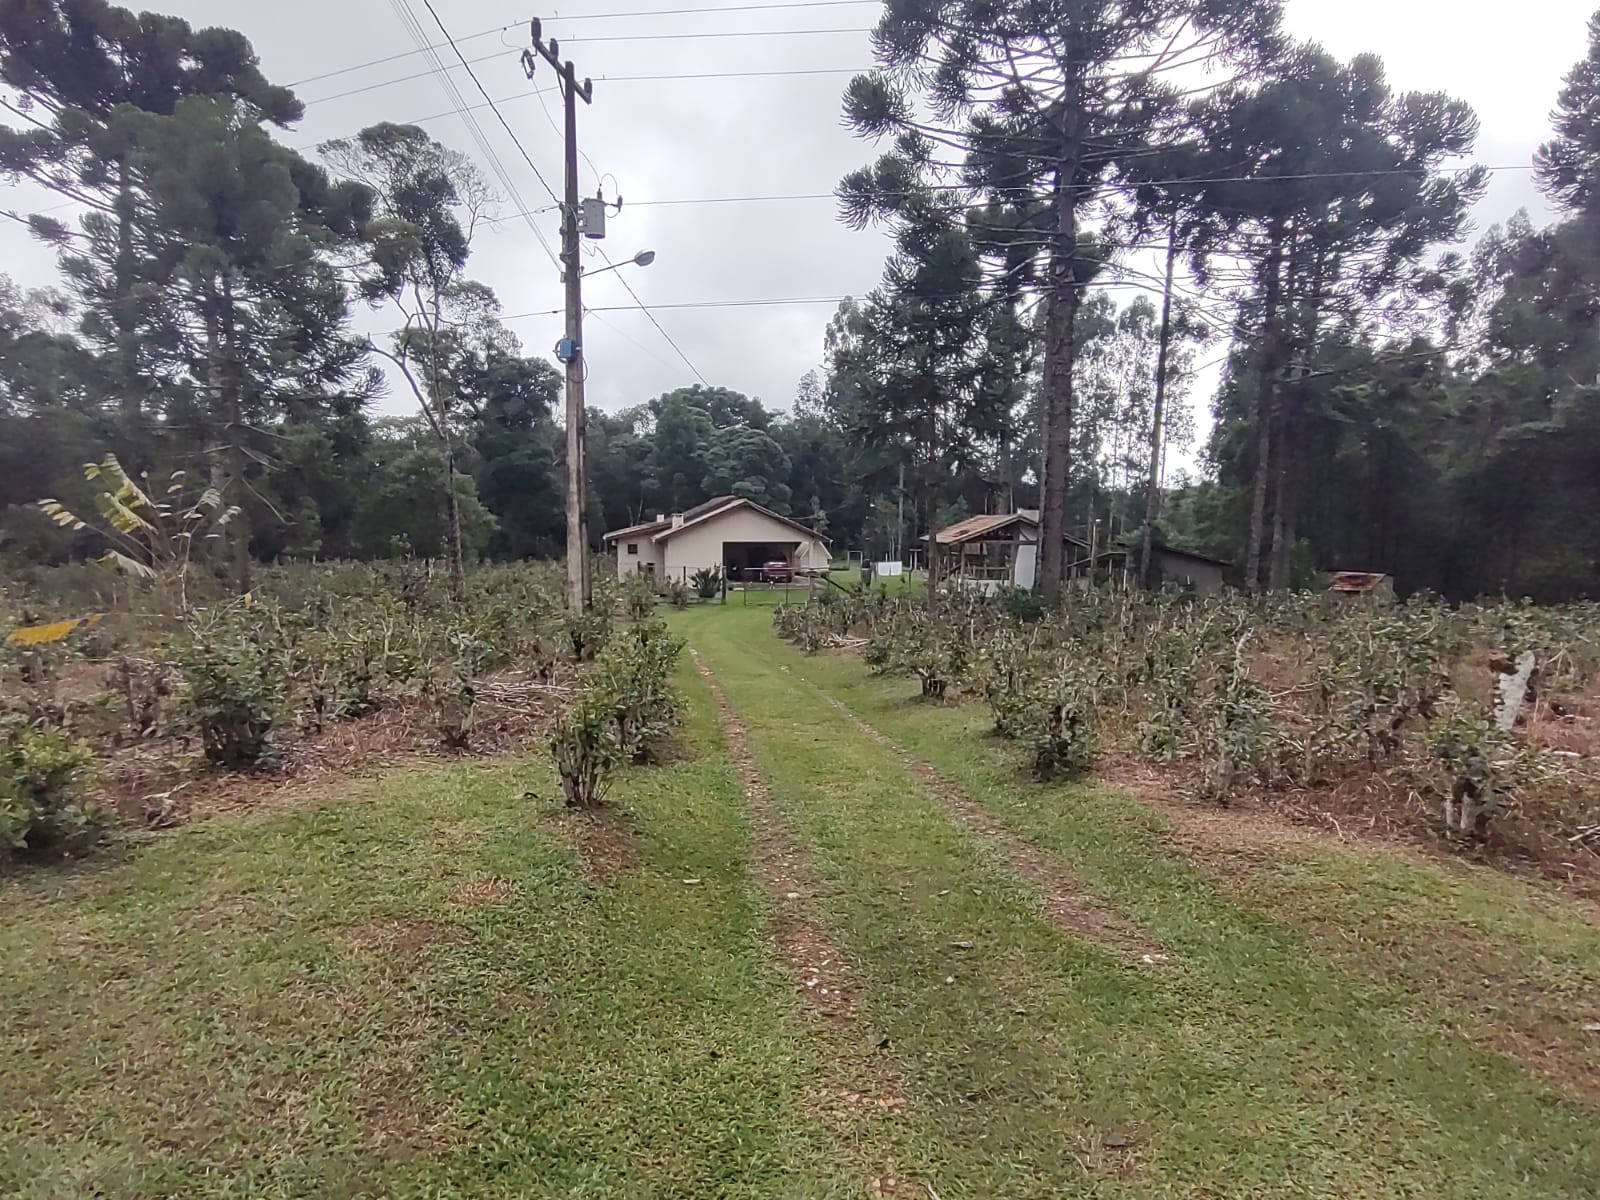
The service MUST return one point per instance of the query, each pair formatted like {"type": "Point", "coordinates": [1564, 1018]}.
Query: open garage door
{"type": "Point", "coordinates": [744, 560]}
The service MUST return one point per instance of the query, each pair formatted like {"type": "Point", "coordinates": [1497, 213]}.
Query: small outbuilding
{"type": "Point", "coordinates": [1362, 585]}
{"type": "Point", "coordinates": [731, 534]}
{"type": "Point", "coordinates": [1197, 573]}
{"type": "Point", "coordinates": [989, 551]}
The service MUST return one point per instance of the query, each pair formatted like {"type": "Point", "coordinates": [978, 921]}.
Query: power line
{"type": "Point", "coordinates": [494, 108]}
{"type": "Point", "coordinates": [755, 302]}
{"type": "Point", "coordinates": [607, 16]}
{"type": "Point", "coordinates": [471, 121]}
{"type": "Point", "coordinates": [741, 33]}
{"type": "Point", "coordinates": [372, 87]}
{"type": "Point", "coordinates": [613, 79]}
{"type": "Point", "coordinates": [646, 311]}
{"type": "Point", "coordinates": [812, 196]}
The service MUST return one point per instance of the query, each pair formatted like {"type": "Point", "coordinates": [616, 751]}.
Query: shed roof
{"type": "Point", "coordinates": [975, 529]}
{"type": "Point", "coordinates": [1163, 548]}
{"type": "Point", "coordinates": [1357, 582]}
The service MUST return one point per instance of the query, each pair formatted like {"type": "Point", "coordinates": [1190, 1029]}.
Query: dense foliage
{"type": "Point", "coordinates": [127, 714]}
{"type": "Point", "coordinates": [1303, 694]}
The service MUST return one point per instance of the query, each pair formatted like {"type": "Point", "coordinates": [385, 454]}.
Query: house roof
{"type": "Point", "coordinates": [647, 527]}
{"type": "Point", "coordinates": [1357, 582]}
{"type": "Point", "coordinates": [713, 509]}
{"type": "Point", "coordinates": [660, 531]}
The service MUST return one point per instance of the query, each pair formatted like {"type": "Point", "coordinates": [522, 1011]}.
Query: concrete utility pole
{"type": "Point", "coordinates": [580, 589]}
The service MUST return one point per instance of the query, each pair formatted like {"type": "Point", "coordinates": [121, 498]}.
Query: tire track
{"type": "Point", "coordinates": [858, 1083]}
{"type": "Point", "coordinates": [1065, 900]}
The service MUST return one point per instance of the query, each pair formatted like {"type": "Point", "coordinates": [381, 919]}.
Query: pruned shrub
{"type": "Point", "coordinates": [589, 630]}
{"type": "Point", "coordinates": [234, 686]}
{"type": "Point", "coordinates": [1057, 726]}
{"type": "Point", "coordinates": [1480, 765]}
{"type": "Point", "coordinates": [42, 809]}
{"type": "Point", "coordinates": [639, 595]}
{"type": "Point", "coordinates": [636, 673]}
{"type": "Point", "coordinates": [624, 708]}
{"type": "Point", "coordinates": [452, 689]}
{"type": "Point", "coordinates": [584, 746]}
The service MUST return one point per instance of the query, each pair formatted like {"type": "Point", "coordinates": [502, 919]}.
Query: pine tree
{"type": "Point", "coordinates": [250, 318]}
{"type": "Point", "coordinates": [1568, 167]}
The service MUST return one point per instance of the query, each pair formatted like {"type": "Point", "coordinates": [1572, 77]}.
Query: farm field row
{"type": "Point", "coordinates": [838, 946]}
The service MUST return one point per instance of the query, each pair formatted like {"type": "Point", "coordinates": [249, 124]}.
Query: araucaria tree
{"type": "Point", "coordinates": [1325, 188]}
{"type": "Point", "coordinates": [1042, 106]}
{"type": "Point", "coordinates": [920, 355]}
{"type": "Point", "coordinates": [87, 70]}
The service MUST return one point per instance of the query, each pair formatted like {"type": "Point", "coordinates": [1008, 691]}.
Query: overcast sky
{"type": "Point", "coordinates": [683, 139]}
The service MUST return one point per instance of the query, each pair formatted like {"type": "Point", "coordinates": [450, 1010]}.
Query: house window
{"type": "Point", "coordinates": [633, 547]}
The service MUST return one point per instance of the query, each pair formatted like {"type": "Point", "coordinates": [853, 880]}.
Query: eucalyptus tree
{"type": "Point", "coordinates": [429, 202]}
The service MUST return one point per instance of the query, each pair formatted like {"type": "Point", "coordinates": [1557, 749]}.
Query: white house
{"type": "Point", "coordinates": [730, 534]}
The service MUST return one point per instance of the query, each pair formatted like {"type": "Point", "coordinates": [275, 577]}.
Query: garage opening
{"type": "Point", "coordinates": [745, 560]}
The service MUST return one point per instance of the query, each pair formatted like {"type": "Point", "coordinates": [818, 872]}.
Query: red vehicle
{"type": "Point", "coordinates": [777, 571]}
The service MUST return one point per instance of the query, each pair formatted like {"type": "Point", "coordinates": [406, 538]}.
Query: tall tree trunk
{"type": "Point", "coordinates": [1152, 496]}
{"type": "Point", "coordinates": [1266, 402]}
{"type": "Point", "coordinates": [1282, 520]}
{"type": "Point", "coordinates": [1060, 351]}
{"type": "Point", "coordinates": [133, 449]}
{"type": "Point", "coordinates": [225, 384]}
{"type": "Point", "coordinates": [1291, 430]}
{"type": "Point", "coordinates": [458, 566]}
{"type": "Point", "coordinates": [453, 550]}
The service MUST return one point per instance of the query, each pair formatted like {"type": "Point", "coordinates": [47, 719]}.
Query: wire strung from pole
{"type": "Point", "coordinates": [494, 54]}
{"type": "Point", "coordinates": [772, 74]}
{"type": "Point", "coordinates": [645, 309]}
{"type": "Point", "coordinates": [726, 33]}
{"type": "Point", "coordinates": [606, 16]}
{"type": "Point", "coordinates": [476, 131]}
{"type": "Point", "coordinates": [983, 204]}
{"type": "Point", "coordinates": [493, 107]}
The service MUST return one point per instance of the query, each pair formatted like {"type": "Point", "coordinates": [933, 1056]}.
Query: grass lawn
{"type": "Point", "coordinates": [911, 583]}
{"type": "Point", "coordinates": [1307, 1040]}
{"type": "Point", "coordinates": [434, 984]}
{"type": "Point", "coordinates": [319, 1003]}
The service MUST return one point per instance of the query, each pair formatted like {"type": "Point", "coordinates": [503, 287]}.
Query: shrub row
{"type": "Point", "coordinates": [1291, 691]}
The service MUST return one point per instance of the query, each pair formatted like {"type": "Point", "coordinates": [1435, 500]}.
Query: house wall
{"type": "Point", "coordinates": [690, 550]}
{"type": "Point", "coordinates": [1205, 578]}
{"type": "Point", "coordinates": [649, 552]}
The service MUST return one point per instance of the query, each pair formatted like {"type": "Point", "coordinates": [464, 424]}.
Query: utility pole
{"type": "Point", "coordinates": [580, 590]}
{"type": "Point", "coordinates": [1152, 496]}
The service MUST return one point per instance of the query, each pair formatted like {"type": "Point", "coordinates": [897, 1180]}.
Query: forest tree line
{"type": "Point", "coordinates": [1083, 222]}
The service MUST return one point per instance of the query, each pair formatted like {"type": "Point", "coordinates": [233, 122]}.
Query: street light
{"type": "Point", "coordinates": [642, 259]}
